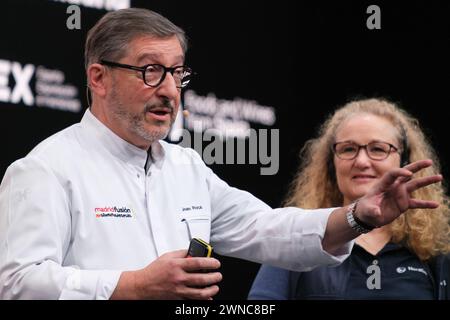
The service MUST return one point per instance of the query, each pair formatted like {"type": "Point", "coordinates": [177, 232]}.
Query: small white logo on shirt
{"type": "Point", "coordinates": [401, 270]}
{"type": "Point", "coordinates": [409, 268]}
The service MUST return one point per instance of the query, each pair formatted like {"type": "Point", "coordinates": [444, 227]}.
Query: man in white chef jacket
{"type": "Point", "coordinates": [105, 209]}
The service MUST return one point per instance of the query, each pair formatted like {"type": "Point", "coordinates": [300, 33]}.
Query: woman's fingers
{"type": "Point", "coordinates": [418, 183]}
{"type": "Point", "coordinates": [422, 204]}
{"type": "Point", "coordinates": [418, 165]}
{"type": "Point", "coordinates": [390, 177]}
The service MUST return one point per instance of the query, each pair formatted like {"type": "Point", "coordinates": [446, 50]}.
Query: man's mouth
{"type": "Point", "coordinates": [161, 114]}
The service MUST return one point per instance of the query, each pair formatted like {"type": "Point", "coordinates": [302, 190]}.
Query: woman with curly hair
{"type": "Point", "coordinates": [406, 259]}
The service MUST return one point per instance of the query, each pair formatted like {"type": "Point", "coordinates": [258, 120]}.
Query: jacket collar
{"type": "Point", "coordinates": [103, 137]}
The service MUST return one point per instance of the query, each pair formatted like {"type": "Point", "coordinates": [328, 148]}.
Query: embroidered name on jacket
{"type": "Point", "coordinates": [191, 208]}
{"type": "Point", "coordinates": [115, 212]}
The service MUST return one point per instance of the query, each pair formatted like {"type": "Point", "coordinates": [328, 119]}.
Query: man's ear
{"type": "Point", "coordinates": [97, 80]}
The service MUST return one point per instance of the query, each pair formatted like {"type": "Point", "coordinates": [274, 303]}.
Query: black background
{"type": "Point", "coordinates": [302, 58]}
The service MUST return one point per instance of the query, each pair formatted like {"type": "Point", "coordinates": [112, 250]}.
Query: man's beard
{"type": "Point", "coordinates": [135, 122]}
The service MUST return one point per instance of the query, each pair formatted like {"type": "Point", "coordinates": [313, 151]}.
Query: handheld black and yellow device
{"type": "Point", "coordinates": [199, 248]}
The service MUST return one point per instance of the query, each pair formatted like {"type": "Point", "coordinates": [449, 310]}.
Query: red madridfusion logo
{"type": "Point", "coordinates": [115, 212]}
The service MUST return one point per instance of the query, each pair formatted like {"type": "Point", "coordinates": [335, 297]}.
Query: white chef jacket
{"type": "Point", "coordinates": [81, 208]}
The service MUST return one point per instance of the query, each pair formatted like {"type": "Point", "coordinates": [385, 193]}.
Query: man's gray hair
{"type": "Point", "coordinates": [111, 35]}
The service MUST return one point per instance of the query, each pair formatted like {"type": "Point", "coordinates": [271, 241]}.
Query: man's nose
{"type": "Point", "coordinates": [168, 87]}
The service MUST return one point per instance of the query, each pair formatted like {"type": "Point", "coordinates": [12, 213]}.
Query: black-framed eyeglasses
{"type": "Point", "coordinates": [154, 74]}
{"type": "Point", "coordinates": [376, 150]}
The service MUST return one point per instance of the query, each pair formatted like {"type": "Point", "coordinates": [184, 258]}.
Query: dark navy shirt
{"type": "Point", "coordinates": [393, 273]}
{"type": "Point", "coordinates": [401, 275]}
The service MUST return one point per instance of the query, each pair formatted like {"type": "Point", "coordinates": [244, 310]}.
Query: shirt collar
{"type": "Point", "coordinates": [102, 136]}
{"type": "Point", "coordinates": [390, 246]}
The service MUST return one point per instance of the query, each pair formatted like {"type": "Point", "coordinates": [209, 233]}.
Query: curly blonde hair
{"type": "Point", "coordinates": [425, 232]}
